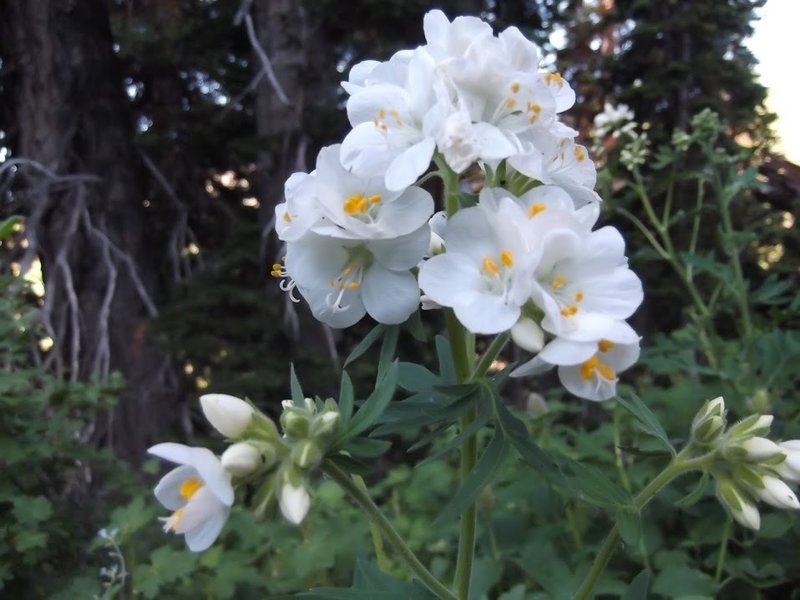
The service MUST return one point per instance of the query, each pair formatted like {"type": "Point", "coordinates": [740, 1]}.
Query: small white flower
{"type": "Point", "coordinates": [241, 459]}
{"type": "Point", "coordinates": [199, 493]}
{"type": "Point", "coordinates": [227, 414]}
{"type": "Point", "coordinates": [740, 507]}
{"type": "Point", "coordinates": [294, 502]}
{"type": "Point", "coordinates": [790, 468]}
{"type": "Point", "coordinates": [614, 120]}
{"type": "Point", "coordinates": [777, 493]}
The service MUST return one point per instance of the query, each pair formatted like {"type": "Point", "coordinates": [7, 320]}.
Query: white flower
{"type": "Point", "coordinates": [587, 369]}
{"type": "Point", "coordinates": [227, 414]}
{"type": "Point", "coordinates": [777, 493]}
{"type": "Point", "coordinates": [614, 120]}
{"type": "Point", "coordinates": [300, 210]}
{"type": "Point", "coordinates": [790, 468]}
{"type": "Point", "coordinates": [484, 273]}
{"type": "Point", "coordinates": [344, 279]}
{"type": "Point", "coordinates": [294, 502]}
{"type": "Point", "coordinates": [582, 281]}
{"type": "Point", "coordinates": [759, 449]}
{"type": "Point", "coordinates": [740, 507]}
{"type": "Point", "coordinates": [199, 493]}
{"type": "Point", "coordinates": [241, 459]}
{"type": "Point", "coordinates": [388, 110]}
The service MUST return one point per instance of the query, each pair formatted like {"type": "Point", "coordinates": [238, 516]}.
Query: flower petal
{"type": "Point", "coordinates": [390, 297]}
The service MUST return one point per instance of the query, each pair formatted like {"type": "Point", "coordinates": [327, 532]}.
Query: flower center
{"type": "Point", "coordinates": [288, 284]}
{"type": "Point", "coordinates": [571, 303]}
{"type": "Point", "coordinates": [551, 78]}
{"type": "Point", "coordinates": [595, 365]}
{"type": "Point", "coordinates": [535, 209]}
{"type": "Point", "coordinates": [362, 207]}
{"type": "Point", "coordinates": [189, 488]}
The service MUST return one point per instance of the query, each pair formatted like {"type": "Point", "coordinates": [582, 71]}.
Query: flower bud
{"type": "Point", "coordinates": [227, 414]}
{"type": "Point", "coordinates": [738, 505]}
{"type": "Point", "coordinates": [777, 493]}
{"type": "Point", "coordinates": [306, 454]}
{"type": "Point", "coordinates": [527, 334]}
{"type": "Point", "coordinates": [754, 425]}
{"type": "Point", "coordinates": [708, 430]}
{"type": "Point", "coordinates": [325, 425]}
{"type": "Point", "coordinates": [759, 449]}
{"type": "Point", "coordinates": [715, 407]}
{"type": "Point", "coordinates": [295, 422]}
{"type": "Point", "coordinates": [294, 502]}
{"type": "Point", "coordinates": [241, 459]}
{"type": "Point", "coordinates": [790, 468]}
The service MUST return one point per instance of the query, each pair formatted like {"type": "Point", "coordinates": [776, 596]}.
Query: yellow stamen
{"type": "Point", "coordinates": [507, 258]}
{"type": "Point", "coordinates": [189, 487]}
{"type": "Point", "coordinates": [569, 311]}
{"type": "Point", "coordinates": [588, 367]}
{"type": "Point", "coordinates": [556, 78]}
{"type": "Point", "coordinates": [535, 209]}
{"type": "Point", "coordinates": [511, 103]}
{"type": "Point", "coordinates": [287, 217]}
{"type": "Point", "coordinates": [374, 199]}
{"type": "Point", "coordinates": [276, 274]}
{"type": "Point", "coordinates": [558, 282]}
{"type": "Point", "coordinates": [381, 113]}
{"type": "Point", "coordinates": [579, 297]}
{"type": "Point", "coordinates": [515, 87]}
{"type": "Point", "coordinates": [605, 345]}
{"type": "Point", "coordinates": [490, 266]}
{"type": "Point", "coordinates": [532, 119]}
{"type": "Point", "coordinates": [353, 285]}
{"type": "Point", "coordinates": [580, 154]}
{"type": "Point", "coordinates": [534, 107]}
{"type": "Point", "coordinates": [606, 372]}
{"type": "Point", "coordinates": [356, 204]}
{"type": "Point", "coordinates": [346, 271]}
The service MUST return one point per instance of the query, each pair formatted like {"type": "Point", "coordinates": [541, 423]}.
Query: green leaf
{"type": "Point", "coordinates": [374, 406]}
{"type": "Point", "coordinates": [367, 447]}
{"type": "Point", "coordinates": [482, 417]}
{"type": "Point", "coordinates": [7, 226]}
{"type": "Point", "coordinates": [346, 399]}
{"type": "Point", "coordinates": [646, 417]}
{"type": "Point", "coordinates": [696, 493]}
{"type": "Point", "coordinates": [294, 385]}
{"type": "Point", "coordinates": [485, 471]}
{"type": "Point", "coordinates": [629, 524]}
{"type": "Point", "coordinates": [388, 349]}
{"type": "Point", "coordinates": [415, 378]}
{"type": "Point", "coordinates": [637, 590]}
{"type": "Point", "coordinates": [365, 344]}
{"type": "Point", "coordinates": [447, 370]}
{"type": "Point", "coordinates": [679, 581]}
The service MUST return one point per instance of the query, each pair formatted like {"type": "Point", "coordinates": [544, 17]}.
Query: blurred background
{"type": "Point", "coordinates": [143, 147]}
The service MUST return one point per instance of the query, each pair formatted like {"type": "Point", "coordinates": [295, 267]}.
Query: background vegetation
{"type": "Point", "coordinates": [145, 149]}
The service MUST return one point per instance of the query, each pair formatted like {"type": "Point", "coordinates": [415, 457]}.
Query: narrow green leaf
{"type": "Point", "coordinates": [695, 495]}
{"type": "Point", "coordinates": [482, 417]}
{"type": "Point", "coordinates": [346, 399]}
{"type": "Point", "coordinates": [416, 327]}
{"type": "Point", "coordinates": [637, 590]}
{"type": "Point", "coordinates": [487, 468]}
{"type": "Point", "coordinates": [349, 464]}
{"type": "Point", "coordinates": [447, 370]}
{"type": "Point", "coordinates": [365, 344]}
{"type": "Point", "coordinates": [629, 524]}
{"type": "Point", "coordinates": [294, 384]}
{"type": "Point", "coordinates": [376, 403]}
{"type": "Point", "coordinates": [646, 418]}
{"type": "Point", "coordinates": [366, 447]}
{"type": "Point", "coordinates": [415, 378]}
{"type": "Point", "coordinates": [388, 349]}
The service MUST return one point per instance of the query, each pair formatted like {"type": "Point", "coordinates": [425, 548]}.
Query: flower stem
{"type": "Point", "coordinates": [679, 465]}
{"type": "Point", "coordinates": [361, 497]}
{"type": "Point", "coordinates": [497, 345]}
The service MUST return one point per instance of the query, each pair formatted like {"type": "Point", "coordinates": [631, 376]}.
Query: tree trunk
{"type": "Point", "coordinates": [90, 233]}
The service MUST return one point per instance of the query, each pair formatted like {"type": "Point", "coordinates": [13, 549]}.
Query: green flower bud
{"type": "Point", "coordinates": [325, 425]}
{"type": "Point", "coordinates": [740, 507]}
{"type": "Point", "coordinates": [295, 422]}
{"type": "Point", "coordinates": [754, 425]}
{"type": "Point", "coordinates": [709, 430]}
{"type": "Point", "coordinates": [306, 454]}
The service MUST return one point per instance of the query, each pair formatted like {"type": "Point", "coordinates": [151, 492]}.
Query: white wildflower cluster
{"type": "Point", "coordinates": [748, 466]}
{"type": "Point", "coordinates": [200, 490]}
{"type": "Point", "coordinates": [361, 237]}
{"type": "Point", "coordinates": [615, 121]}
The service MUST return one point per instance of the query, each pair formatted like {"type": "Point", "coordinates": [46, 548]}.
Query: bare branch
{"type": "Point", "coordinates": [266, 65]}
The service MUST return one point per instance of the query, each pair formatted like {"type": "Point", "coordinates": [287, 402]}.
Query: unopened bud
{"type": "Point", "coordinates": [709, 429]}
{"type": "Point", "coordinates": [777, 493]}
{"type": "Point", "coordinates": [738, 505]}
{"type": "Point", "coordinates": [712, 408]}
{"type": "Point", "coordinates": [306, 454]}
{"type": "Point", "coordinates": [294, 502]}
{"type": "Point", "coordinates": [241, 459]}
{"type": "Point", "coordinates": [527, 334]}
{"type": "Point", "coordinates": [325, 425]}
{"type": "Point", "coordinates": [295, 422]}
{"type": "Point", "coordinates": [759, 449]}
{"type": "Point", "coordinates": [754, 425]}
{"type": "Point", "coordinates": [227, 414]}
{"type": "Point", "coordinates": [789, 468]}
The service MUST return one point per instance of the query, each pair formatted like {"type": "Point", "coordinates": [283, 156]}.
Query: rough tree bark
{"type": "Point", "coordinates": [91, 235]}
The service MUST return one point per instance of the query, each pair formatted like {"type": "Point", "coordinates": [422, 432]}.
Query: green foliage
{"type": "Point", "coordinates": [46, 499]}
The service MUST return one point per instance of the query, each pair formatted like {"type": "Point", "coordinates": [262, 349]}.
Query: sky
{"type": "Point", "coordinates": [772, 45]}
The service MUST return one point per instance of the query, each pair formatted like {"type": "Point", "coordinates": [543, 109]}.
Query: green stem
{"type": "Point", "coordinates": [723, 550]}
{"type": "Point", "coordinates": [736, 265]}
{"type": "Point", "coordinates": [389, 532]}
{"type": "Point", "coordinates": [450, 180]}
{"type": "Point", "coordinates": [676, 467]}
{"type": "Point", "coordinates": [497, 345]}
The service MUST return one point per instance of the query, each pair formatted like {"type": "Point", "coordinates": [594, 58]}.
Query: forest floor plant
{"type": "Point", "coordinates": [520, 262]}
